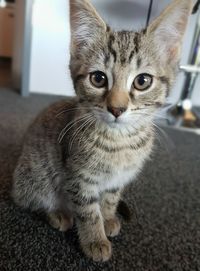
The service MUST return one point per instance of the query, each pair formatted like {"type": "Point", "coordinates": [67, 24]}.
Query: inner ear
{"type": "Point", "coordinates": [168, 29]}
{"type": "Point", "coordinates": [86, 24]}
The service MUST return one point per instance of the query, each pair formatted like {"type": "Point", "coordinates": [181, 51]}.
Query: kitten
{"type": "Point", "coordinates": [80, 153]}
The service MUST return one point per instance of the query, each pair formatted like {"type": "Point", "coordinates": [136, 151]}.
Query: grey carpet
{"type": "Point", "coordinates": [164, 235]}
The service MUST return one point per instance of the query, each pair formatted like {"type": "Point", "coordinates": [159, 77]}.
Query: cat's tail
{"type": "Point", "coordinates": [124, 211]}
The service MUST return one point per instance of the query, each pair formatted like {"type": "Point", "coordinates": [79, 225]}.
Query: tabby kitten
{"type": "Point", "coordinates": [80, 153]}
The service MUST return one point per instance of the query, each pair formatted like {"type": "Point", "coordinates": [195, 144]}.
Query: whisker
{"type": "Point", "coordinates": [92, 121]}
{"type": "Point", "coordinates": [78, 108]}
{"type": "Point", "coordinates": [77, 131]}
{"type": "Point", "coordinates": [67, 128]}
{"type": "Point", "coordinates": [71, 109]}
{"type": "Point", "coordinates": [155, 115]}
{"type": "Point", "coordinates": [167, 143]}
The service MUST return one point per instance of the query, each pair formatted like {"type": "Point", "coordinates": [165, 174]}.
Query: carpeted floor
{"type": "Point", "coordinates": [164, 235]}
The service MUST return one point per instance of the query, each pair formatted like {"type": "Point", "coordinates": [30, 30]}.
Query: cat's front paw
{"type": "Point", "coordinates": [99, 251]}
{"type": "Point", "coordinates": [112, 226]}
{"type": "Point", "coordinates": [59, 221]}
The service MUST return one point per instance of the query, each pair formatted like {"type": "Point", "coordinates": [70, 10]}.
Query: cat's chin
{"type": "Point", "coordinates": [114, 123]}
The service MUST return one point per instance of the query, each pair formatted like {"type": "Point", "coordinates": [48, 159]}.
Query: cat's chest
{"type": "Point", "coordinates": [111, 163]}
{"type": "Point", "coordinates": [121, 171]}
{"type": "Point", "coordinates": [116, 180]}
{"type": "Point", "coordinates": [122, 156]}
{"type": "Point", "coordinates": [124, 165]}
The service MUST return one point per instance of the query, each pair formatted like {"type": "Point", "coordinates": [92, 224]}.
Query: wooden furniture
{"type": "Point", "coordinates": [7, 30]}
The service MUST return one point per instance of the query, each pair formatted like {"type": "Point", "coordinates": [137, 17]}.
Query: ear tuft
{"type": "Point", "coordinates": [169, 28]}
{"type": "Point", "coordinates": [86, 24]}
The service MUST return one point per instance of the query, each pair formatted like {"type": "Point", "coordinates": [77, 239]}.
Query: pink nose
{"type": "Point", "coordinates": [116, 111]}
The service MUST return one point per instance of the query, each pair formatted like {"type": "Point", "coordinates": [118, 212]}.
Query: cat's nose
{"type": "Point", "coordinates": [116, 111]}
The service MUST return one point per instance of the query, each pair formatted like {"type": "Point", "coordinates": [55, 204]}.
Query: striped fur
{"type": "Point", "coordinates": [77, 155]}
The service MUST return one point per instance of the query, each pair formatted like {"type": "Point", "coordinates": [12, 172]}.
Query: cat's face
{"type": "Point", "coordinates": [125, 76]}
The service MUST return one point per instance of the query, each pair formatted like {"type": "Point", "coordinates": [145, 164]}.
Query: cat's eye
{"type": "Point", "coordinates": [98, 79]}
{"type": "Point", "coordinates": [143, 81]}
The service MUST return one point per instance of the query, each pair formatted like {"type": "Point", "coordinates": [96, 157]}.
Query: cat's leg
{"type": "Point", "coordinates": [109, 203]}
{"type": "Point", "coordinates": [36, 194]}
{"type": "Point", "coordinates": [60, 220]}
{"type": "Point", "coordinates": [91, 231]}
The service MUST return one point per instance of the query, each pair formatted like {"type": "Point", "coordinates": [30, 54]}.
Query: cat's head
{"type": "Point", "coordinates": [125, 76]}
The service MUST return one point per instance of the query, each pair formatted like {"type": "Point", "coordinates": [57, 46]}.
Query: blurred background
{"type": "Point", "coordinates": [34, 48]}
{"type": "Point", "coordinates": [164, 233]}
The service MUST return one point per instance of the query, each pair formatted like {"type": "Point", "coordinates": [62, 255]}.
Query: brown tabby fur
{"type": "Point", "coordinates": [77, 156]}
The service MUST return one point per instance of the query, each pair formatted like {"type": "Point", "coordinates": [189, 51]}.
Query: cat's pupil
{"type": "Point", "coordinates": [142, 80]}
{"type": "Point", "coordinates": [99, 77]}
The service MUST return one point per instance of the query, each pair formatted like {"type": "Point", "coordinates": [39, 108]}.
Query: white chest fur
{"type": "Point", "coordinates": [119, 167]}
{"type": "Point", "coordinates": [118, 180]}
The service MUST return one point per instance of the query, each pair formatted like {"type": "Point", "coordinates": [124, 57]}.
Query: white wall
{"type": "Point", "coordinates": [126, 14]}
{"type": "Point", "coordinates": [18, 43]}
{"type": "Point", "coordinates": [49, 71]}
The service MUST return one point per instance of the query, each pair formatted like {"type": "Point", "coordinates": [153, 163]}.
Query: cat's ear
{"type": "Point", "coordinates": [168, 29]}
{"type": "Point", "coordinates": [86, 24]}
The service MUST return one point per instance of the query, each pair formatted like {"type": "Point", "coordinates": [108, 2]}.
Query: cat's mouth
{"type": "Point", "coordinates": [110, 120]}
